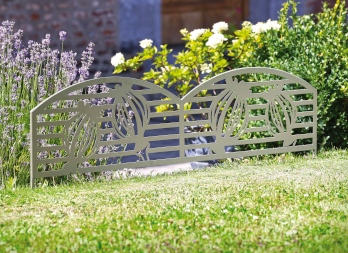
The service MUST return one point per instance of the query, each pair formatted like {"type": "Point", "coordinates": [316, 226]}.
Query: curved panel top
{"type": "Point", "coordinates": [249, 70]}
{"type": "Point", "coordinates": [124, 80]}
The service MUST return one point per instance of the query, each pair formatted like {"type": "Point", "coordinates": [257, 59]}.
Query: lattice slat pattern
{"type": "Point", "coordinates": [111, 123]}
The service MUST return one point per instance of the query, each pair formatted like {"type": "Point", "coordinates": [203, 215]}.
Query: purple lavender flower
{"type": "Point", "coordinates": [104, 88]}
{"type": "Point", "coordinates": [62, 35]}
{"type": "Point", "coordinates": [97, 74]}
{"type": "Point", "coordinates": [47, 39]}
{"type": "Point", "coordinates": [18, 34]}
{"type": "Point", "coordinates": [17, 44]}
{"type": "Point", "coordinates": [48, 70]}
{"type": "Point", "coordinates": [86, 61]}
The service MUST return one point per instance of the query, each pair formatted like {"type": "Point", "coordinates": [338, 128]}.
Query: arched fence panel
{"type": "Point", "coordinates": [112, 123]}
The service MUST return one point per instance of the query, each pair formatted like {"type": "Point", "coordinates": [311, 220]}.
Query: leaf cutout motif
{"type": "Point", "coordinates": [281, 117]}
{"type": "Point", "coordinates": [127, 107]}
{"type": "Point", "coordinates": [233, 95]}
{"type": "Point", "coordinates": [81, 134]}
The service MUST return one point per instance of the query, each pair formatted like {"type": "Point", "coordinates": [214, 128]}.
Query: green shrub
{"type": "Point", "coordinates": [315, 48]}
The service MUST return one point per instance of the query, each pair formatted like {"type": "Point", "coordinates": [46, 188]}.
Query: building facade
{"type": "Point", "coordinates": [119, 25]}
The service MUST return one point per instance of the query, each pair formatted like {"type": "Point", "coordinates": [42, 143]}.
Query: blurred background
{"type": "Point", "coordinates": [119, 25]}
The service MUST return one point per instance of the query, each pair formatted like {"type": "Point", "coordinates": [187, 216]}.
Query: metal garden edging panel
{"type": "Point", "coordinates": [91, 126]}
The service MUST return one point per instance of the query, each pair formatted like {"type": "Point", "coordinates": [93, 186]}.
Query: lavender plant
{"type": "Point", "coordinates": [28, 75]}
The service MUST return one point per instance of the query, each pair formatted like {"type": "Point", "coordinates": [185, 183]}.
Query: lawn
{"type": "Point", "coordinates": [279, 204]}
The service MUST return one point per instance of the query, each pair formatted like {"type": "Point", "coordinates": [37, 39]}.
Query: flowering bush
{"type": "Point", "coordinates": [28, 75]}
{"type": "Point", "coordinates": [315, 48]}
{"type": "Point", "coordinates": [208, 53]}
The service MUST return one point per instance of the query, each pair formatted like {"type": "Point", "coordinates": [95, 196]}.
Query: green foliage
{"type": "Point", "coordinates": [315, 48]}
{"type": "Point", "coordinates": [199, 61]}
{"type": "Point", "coordinates": [282, 204]}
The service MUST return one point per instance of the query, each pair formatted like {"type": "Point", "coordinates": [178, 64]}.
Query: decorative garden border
{"type": "Point", "coordinates": [94, 126]}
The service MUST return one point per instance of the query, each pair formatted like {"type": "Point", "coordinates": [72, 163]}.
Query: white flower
{"type": "Point", "coordinates": [117, 59]}
{"type": "Point", "coordinates": [184, 32]}
{"type": "Point", "coordinates": [216, 40]}
{"type": "Point", "coordinates": [306, 195]}
{"type": "Point", "coordinates": [258, 28]}
{"type": "Point", "coordinates": [262, 27]}
{"type": "Point", "coordinates": [146, 43]}
{"type": "Point", "coordinates": [219, 27]}
{"type": "Point", "coordinates": [195, 34]}
{"type": "Point", "coordinates": [255, 217]}
{"type": "Point", "coordinates": [206, 68]}
{"type": "Point", "coordinates": [246, 23]}
{"type": "Point", "coordinates": [273, 24]}
{"type": "Point", "coordinates": [225, 211]}
{"type": "Point", "coordinates": [206, 237]}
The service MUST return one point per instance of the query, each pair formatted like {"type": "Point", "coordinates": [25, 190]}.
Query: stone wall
{"type": "Point", "coordinates": [262, 10]}
{"type": "Point", "coordinates": [113, 25]}
{"type": "Point", "coordinates": [138, 20]}
{"type": "Point", "coordinates": [84, 21]}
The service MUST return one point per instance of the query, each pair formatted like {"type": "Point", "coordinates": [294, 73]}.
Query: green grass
{"type": "Point", "coordinates": [283, 204]}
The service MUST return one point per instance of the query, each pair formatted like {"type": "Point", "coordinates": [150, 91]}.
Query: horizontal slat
{"type": "Point", "coordinates": [197, 111]}
{"type": "Point", "coordinates": [197, 123]}
{"type": "Point", "coordinates": [65, 122]}
{"type": "Point", "coordinates": [161, 102]}
{"type": "Point", "coordinates": [271, 151]}
{"type": "Point", "coordinates": [302, 125]}
{"type": "Point", "coordinates": [72, 109]}
{"type": "Point", "coordinates": [198, 134]}
{"type": "Point", "coordinates": [107, 130]}
{"type": "Point", "coordinates": [304, 136]}
{"type": "Point", "coordinates": [113, 154]}
{"type": "Point", "coordinates": [58, 110]}
{"type": "Point", "coordinates": [268, 139]}
{"type": "Point", "coordinates": [304, 102]}
{"type": "Point", "coordinates": [52, 123]}
{"type": "Point", "coordinates": [253, 141]}
{"type": "Point", "coordinates": [255, 118]}
{"type": "Point", "coordinates": [49, 136]}
{"type": "Point", "coordinates": [163, 125]}
{"type": "Point", "coordinates": [256, 129]}
{"type": "Point", "coordinates": [129, 140]}
{"type": "Point", "coordinates": [288, 92]}
{"type": "Point", "coordinates": [255, 107]}
{"type": "Point", "coordinates": [51, 148]}
{"type": "Point", "coordinates": [202, 99]}
{"type": "Point", "coordinates": [163, 149]}
{"type": "Point", "coordinates": [297, 92]}
{"type": "Point", "coordinates": [201, 145]}
{"type": "Point", "coordinates": [164, 114]}
{"type": "Point", "coordinates": [52, 160]}
{"type": "Point", "coordinates": [162, 137]}
{"type": "Point", "coordinates": [305, 113]}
